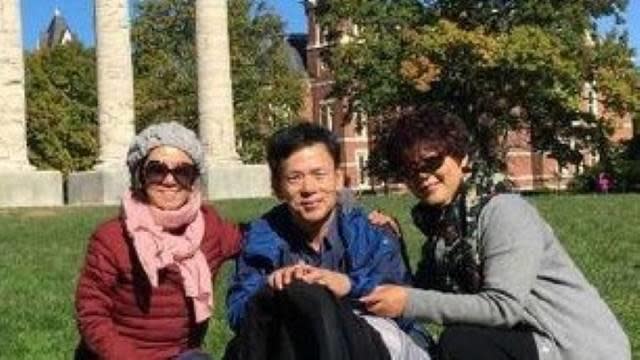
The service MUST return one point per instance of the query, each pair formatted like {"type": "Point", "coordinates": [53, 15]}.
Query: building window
{"type": "Point", "coordinates": [322, 66]}
{"type": "Point", "coordinates": [321, 35]}
{"type": "Point", "coordinates": [362, 157]}
{"type": "Point", "coordinates": [324, 36]}
{"type": "Point", "coordinates": [592, 99]}
{"type": "Point", "coordinates": [326, 113]}
{"type": "Point", "coordinates": [593, 103]}
{"type": "Point", "coordinates": [360, 123]}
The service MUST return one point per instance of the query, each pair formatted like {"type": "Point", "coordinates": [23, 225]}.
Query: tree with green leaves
{"type": "Point", "coordinates": [62, 129]}
{"type": "Point", "coordinates": [501, 65]}
{"type": "Point", "coordinates": [267, 93]}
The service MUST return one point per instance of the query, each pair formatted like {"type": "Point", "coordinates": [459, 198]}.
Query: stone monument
{"type": "Point", "coordinates": [226, 176]}
{"type": "Point", "coordinates": [107, 181]}
{"type": "Point", "coordinates": [20, 183]}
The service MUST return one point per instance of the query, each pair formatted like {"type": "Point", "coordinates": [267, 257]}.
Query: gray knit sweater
{"type": "Point", "coordinates": [529, 278]}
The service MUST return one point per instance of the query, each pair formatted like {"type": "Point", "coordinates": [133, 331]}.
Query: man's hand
{"type": "Point", "coordinates": [386, 300]}
{"type": "Point", "coordinates": [378, 218]}
{"type": "Point", "coordinates": [339, 284]}
{"type": "Point", "coordinates": [282, 277]}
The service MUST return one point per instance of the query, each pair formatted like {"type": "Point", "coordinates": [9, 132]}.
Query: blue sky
{"type": "Point", "coordinates": [36, 15]}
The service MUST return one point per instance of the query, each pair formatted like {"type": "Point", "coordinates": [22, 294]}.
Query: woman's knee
{"type": "Point", "coordinates": [460, 342]}
{"type": "Point", "coordinates": [456, 336]}
{"type": "Point", "coordinates": [477, 342]}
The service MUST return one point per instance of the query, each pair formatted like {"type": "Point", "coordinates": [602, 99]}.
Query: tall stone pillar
{"type": "Point", "coordinates": [20, 183]}
{"type": "Point", "coordinates": [106, 183]}
{"type": "Point", "coordinates": [115, 81]}
{"type": "Point", "coordinates": [215, 99]}
{"type": "Point", "coordinates": [226, 176]}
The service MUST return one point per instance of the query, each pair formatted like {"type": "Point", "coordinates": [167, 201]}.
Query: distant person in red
{"type": "Point", "coordinates": [145, 291]}
{"type": "Point", "coordinates": [604, 182]}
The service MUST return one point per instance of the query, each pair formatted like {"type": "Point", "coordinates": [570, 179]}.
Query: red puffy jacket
{"type": "Point", "coordinates": [119, 314]}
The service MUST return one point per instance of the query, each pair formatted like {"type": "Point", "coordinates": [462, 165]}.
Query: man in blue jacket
{"type": "Point", "coordinates": [307, 261]}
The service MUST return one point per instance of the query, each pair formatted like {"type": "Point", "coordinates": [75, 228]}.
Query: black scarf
{"type": "Point", "coordinates": [450, 259]}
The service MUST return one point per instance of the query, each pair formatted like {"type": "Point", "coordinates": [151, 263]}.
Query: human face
{"type": "Point", "coordinates": [432, 177]}
{"type": "Point", "coordinates": [309, 183]}
{"type": "Point", "coordinates": [165, 192]}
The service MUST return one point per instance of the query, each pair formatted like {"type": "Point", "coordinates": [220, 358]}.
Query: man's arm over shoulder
{"type": "Point", "coordinates": [375, 256]}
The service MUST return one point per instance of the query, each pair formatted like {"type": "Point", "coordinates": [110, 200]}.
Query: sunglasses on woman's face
{"type": "Point", "coordinates": [428, 165]}
{"type": "Point", "coordinates": [154, 172]}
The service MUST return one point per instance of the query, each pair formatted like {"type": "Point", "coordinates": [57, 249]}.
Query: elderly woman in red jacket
{"type": "Point", "coordinates": [145, 291]}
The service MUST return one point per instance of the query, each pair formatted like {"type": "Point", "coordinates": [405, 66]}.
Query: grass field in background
{"type": "Point", "coordinates": [41, 251]}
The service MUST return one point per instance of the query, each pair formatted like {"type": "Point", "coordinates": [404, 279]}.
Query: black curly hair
{"type": "Point", "coordinates": [440, 130]}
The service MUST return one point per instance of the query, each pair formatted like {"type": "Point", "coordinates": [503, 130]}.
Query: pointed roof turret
{"type": "Point", "coordinates": [58, 32]}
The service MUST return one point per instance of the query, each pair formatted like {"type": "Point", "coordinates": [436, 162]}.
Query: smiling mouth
{"type": "Point", "coordinates": [310, 205]}
{"type": "Point", "coordinates": [429, 188]}
{"type": "Point", "coordinates": [168, 191]}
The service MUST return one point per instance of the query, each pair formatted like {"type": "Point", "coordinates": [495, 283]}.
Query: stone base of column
{"type": "Point", "coordinates": [98, 187]}
{"type": "Point", "coordinates": [237, 181]}
{"type": "Point", "coordinates": [30, 188]}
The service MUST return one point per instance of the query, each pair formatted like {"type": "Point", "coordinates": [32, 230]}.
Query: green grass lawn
{"type": "Point", "coordinates": [41, 251]}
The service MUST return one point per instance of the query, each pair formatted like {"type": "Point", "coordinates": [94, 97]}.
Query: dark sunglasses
{"type": "Point", "coordinates": [154, 172]}
{"type": "Point", "coordinates": [428, 165]}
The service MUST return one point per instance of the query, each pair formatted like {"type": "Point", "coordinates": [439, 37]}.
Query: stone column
{"type": "Point", "coordinates": [115, 81]}
{"type": "Point", "coordinates": [20, 183]}
{"type": "Point", "coordinates": [215, 99]}
{"type": "Point", "coordinates": [109, 179]}
{"type": "Point", "coordinates": [226, 176]}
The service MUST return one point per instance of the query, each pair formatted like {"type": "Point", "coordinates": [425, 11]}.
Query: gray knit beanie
{"type": "Point", "coordinates": [169, 134]}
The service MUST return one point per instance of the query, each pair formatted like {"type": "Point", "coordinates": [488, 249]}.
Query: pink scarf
{"type": "Point", "coordinates": [157, 248]}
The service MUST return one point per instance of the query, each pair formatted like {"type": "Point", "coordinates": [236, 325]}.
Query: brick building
{"type": "Point", "coordinates": [534, 170]}
{"type": "Point", "coordinates": [529, 170]}
{"type": "Point", "coordinates": [350, 127]}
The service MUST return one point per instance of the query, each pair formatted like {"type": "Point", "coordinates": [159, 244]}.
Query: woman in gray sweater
{"type": "Point", "coordinates": [492, 270]}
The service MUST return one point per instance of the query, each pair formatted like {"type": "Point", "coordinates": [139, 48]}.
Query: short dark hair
{"type": "Point", "coordinates": [292, 138]}
{"type": "Point", "coordinates": [438, 129]}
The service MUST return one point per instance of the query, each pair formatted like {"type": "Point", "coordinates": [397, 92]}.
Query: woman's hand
{"type": "Point", "coordinates": [378, 218]}
{"type": "Point", "coordinates": [386, 300]}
